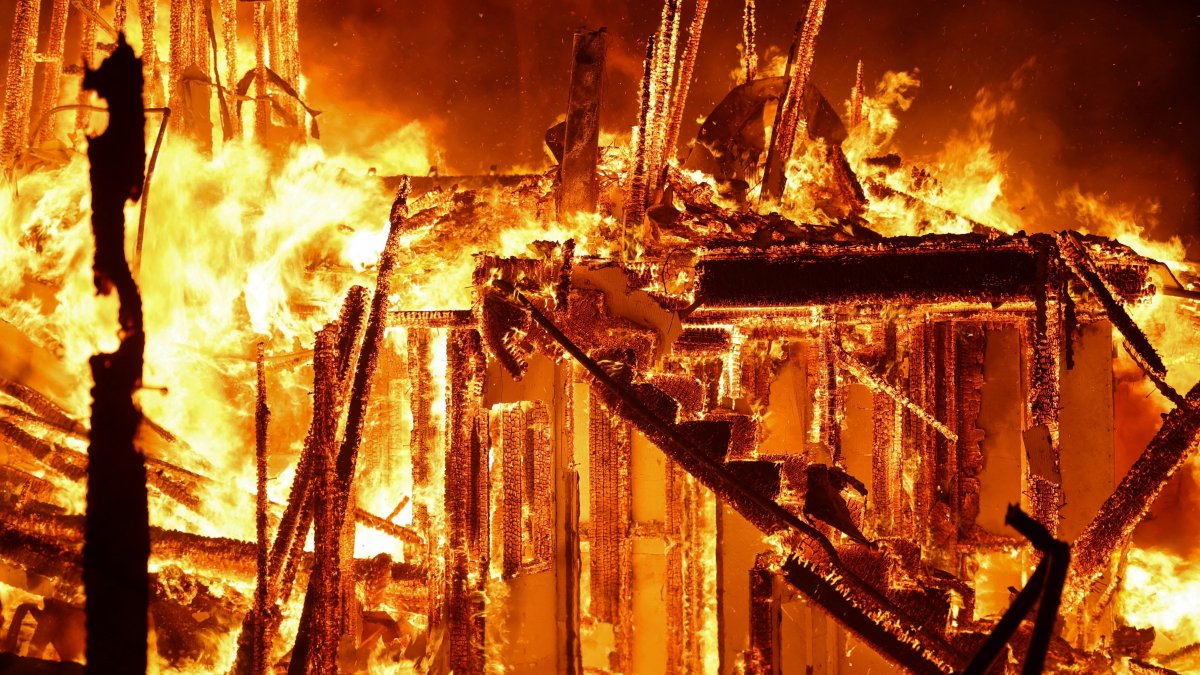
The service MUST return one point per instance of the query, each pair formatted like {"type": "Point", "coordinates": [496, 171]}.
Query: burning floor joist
{"type": "Point", "coordinates": [779, 407]}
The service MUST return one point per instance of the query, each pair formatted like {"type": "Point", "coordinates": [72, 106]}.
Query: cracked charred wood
{"type": "Point", "coordinates": [684, 82]}
{"type": "Point", "coordinates": [262, 417]}
{"type": "Point", "coordinates": [791, 107]}
{"type": "Point", "coordinates": [297, 517]}
{"type": "Point", "coordinates": [117, 535]}
{"type": "Point", "coordinates": [931, 269]}
{"type": "Point", "coordinates": [326, 605]}
{"type": "Point", "coordinates": [43, 407]}
{"type": "Point", "coordinates": [635, 197]}
{"type": "Point", "coordinates": [580, 186]}
{"type": "Point", "coordinates": [822, 576]}
{"type": "Point", "coordinates": [18, 94]}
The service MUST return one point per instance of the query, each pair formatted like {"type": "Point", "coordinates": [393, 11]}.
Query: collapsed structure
{"type": "Point", "coordinates": [730, 440]}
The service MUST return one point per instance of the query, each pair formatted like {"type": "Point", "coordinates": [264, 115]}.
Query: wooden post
{"type": "Point", "coordinates": [116, 545]}
{"type": "Point", "coordinates": [581, 141]}
{"type": "Point", "coordinates": [18, 90]}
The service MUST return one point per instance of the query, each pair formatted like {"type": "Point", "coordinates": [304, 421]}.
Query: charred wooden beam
{"type": "Point", "coordinates": [902, 643]}
{"type": "Point", "coordinates": [465, 456]}
{"type": "Point", "coordinates": [580, 186]}
{"type": "Point", "coordinates": [934, 269]}
{"type": "Point", "coordinates": [860, 604]}
{"type": "Point", "coordinates": [783, 135]}
{"type": "Point", "coordinates": [50, 546]}
{"type": "Point", "coordinates": [856, 97]}
{"type": "Point", "coordinates": [881, 386]}
{"type": "Point", "coordinates": [335, 352]}
{"type": "Point", "coordinates": [1044, 589]}
{"type": "Point", "coordinates": [325, 605]}
{"type": "Point", "coordinates": [117, 542]}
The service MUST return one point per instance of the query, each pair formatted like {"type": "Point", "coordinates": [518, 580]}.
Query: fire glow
{"type": "Point", "coordinates": [752, 403]}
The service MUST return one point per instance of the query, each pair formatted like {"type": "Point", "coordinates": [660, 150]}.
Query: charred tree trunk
{"type": "Point", "coordinates": [116, 533]}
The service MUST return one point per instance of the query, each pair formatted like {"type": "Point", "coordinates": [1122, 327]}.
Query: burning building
{"type": "Point", "coordinates": [774, 401]}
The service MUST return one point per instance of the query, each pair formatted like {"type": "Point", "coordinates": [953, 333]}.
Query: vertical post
{"type": "Point", "coordinates": [87, 52]}
{"type": "Point", "coordinates": [262, 417]}
{"type": "Point", "coordinates": [116, 545]}
{"type": "Point", "coordinates": [262, 105]}
{"type": "Point", "coordinates": [229, 38]}
{"type": "Point", "coordinates": [581, 140]}
{"type": "Point", "coordinates": [18, 90]}
{"type": "Point", "coordinates": [464, 457]}
{"type": "Point", "coordinates": [783, 136]}
{"type": "Point", "coordinates": [749, 35]}
{"type": "Point", "coordinates": [53, 66]}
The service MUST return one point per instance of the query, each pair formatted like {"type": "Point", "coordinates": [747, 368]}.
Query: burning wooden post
{"type": "Point", "coordinates": [581, 138]}
{"type": "Point", "coordinates": [635, 197]}
{"type": "Point", "coordinates": [783, 136]}
{"type": "Point", "coordinates": [666, 44]}
{"type": "Point", "coordinates": [856, 97]}
{"type": "Point", "coordinates": [686, 68]}
{"type": "Point", "coordinates": [262, 417]}
{"type": "Point", "coordinates": [326, 604]}
{"type": "Point", "coordinates": [148, 14]}
{"type": "Point", "coordinates": [90, 10]}
{"type": "Point", "coordinates": [229, 38]}
{"type": "Point", "coordinates": [749, 37]}
{"type": "Point", "coordinates": [190, 93]}
{"type": "Point", "coordinates": [466, 510]}
{"type": "Point", "coordinates": [18, 90]}
{"type": "Point", "coordinates": [52, 66]}
{"type": "Point", "coordinates": [262, 103]}
{"type": "Point", "coordinates": [117, 537]}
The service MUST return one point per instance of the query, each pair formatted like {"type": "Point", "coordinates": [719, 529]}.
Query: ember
{"type": "Point", "coordinates": [777, 399]}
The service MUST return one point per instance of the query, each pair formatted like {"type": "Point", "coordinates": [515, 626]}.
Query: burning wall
{"type": "Point", "coordinates": [659, 421]}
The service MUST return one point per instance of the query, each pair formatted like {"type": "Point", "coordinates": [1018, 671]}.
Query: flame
{"type": "Point", "coordinates": [1160, 590]}
{"type": "Point", "coordinates": [242, 245]}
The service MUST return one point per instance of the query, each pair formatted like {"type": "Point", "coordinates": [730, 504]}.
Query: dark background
{"type": "Point", "coordinates": [1109, 102]}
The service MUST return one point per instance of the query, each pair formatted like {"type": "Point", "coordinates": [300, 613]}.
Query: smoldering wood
{"type": "Point", "coordinates": [262, 416]}
{"type": "Point", "coordinates": [783, 136]}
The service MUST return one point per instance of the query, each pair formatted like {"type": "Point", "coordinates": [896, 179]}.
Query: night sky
{"type": "Point", "coordinates": [1108, 103]}
{"type": "Point", "coordinates": [1108, 98]}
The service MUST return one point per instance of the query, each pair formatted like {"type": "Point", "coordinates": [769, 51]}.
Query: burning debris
{"type": "Point", "coordinates": [777, 405]}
